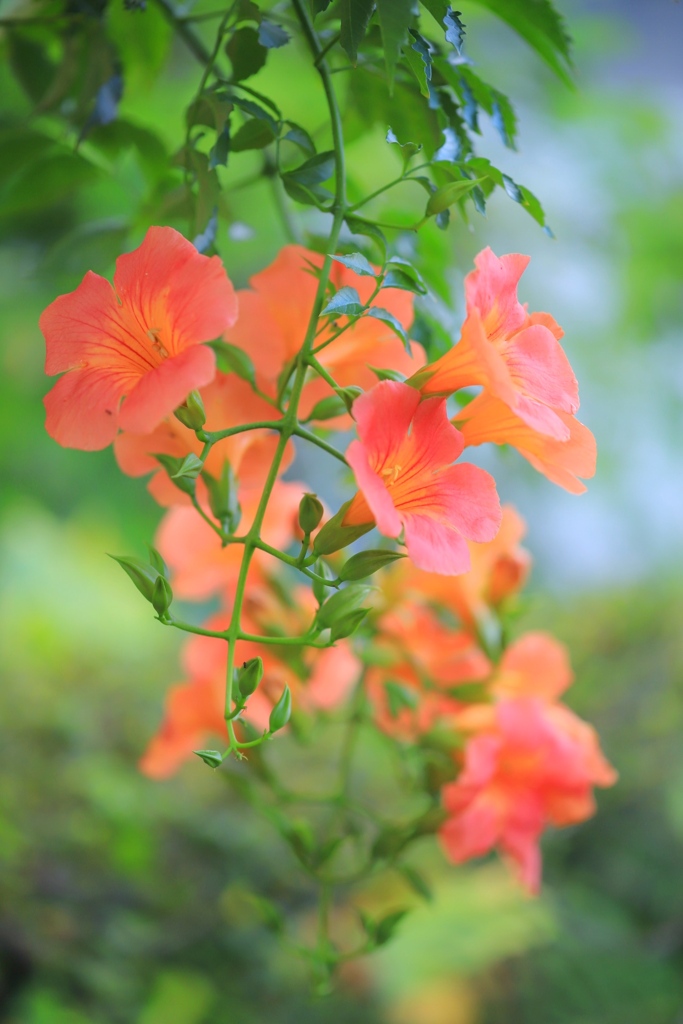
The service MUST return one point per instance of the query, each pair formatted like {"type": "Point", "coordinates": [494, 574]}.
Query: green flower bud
{"type": "Point", "coordinates": [157, 562]}
{"type": "Point", "coordinates": [327, 408]}
{"type": "Point", "coordinates": [223, 497]}
{"type": "Point", "coordinates": [320, 591]}
{"type": "Point", "coordinates": [249, 676]}
{"type": "Point", "coordinates": [143, 575]}
{"type": "Point", "coordinates": [162, 596]}
{"type": "Point", "coordinates": [192, 412]}
{"type": "Point", "coordinates": [310, 513]}
{"type": "Point", "coordinates": [366, 562]}
{"type": "Point", "coordinates": [281, 712]}
{"type": "Point", "coordinates": [349, 395]}
{"type": "Point", "coordinates": [210, 757]}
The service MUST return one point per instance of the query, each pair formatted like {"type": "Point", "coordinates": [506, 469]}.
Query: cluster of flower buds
{"type": "Point", "coordinates": [208, 391]}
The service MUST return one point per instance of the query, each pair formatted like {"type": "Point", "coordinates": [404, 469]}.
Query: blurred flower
{"type": "Point", "coordinates": [529, 762]}
{"type": "Point", "coordinates": [140, 341]}
{"type": "Point", "coordinates": [402, 466]}
{"type": "Point", "coordinates": [274, 315]}
{"type": "Point", "coordinates": [229, 401]}
{"type": "Point", "coordinates": [515, 356]}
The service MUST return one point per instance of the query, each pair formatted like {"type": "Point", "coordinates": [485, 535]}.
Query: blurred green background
{"type": "Point", "coordinates": [124, 900]}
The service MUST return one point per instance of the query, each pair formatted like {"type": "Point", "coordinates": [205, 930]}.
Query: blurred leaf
{"type": "Point", "coordinates": [253, 134]}
{"type": "Point", "coordinates": [106, 106]}
{"type": "Point", "coordinates": [272, 36]}
{"type": "Point", "coordinates": [316, 170]}
{"type": "Point", "coordinates": [541, 25]}
{"type": "Point", "coordinates": [246, 53]}
{"type": "Point", "coordinates": [232, 359]}
{"type": "Point", "coordinates": [48, 181]}
{"type": "Point", "coordinates": [395, 17]}
{"type": "Point", "coordinates": [300, 137]}
{"type": "Point", "coordinates": [455, 30]}
{"type": "Point", "coordinates": [30, 64]}
{"type": "Point", "coordinates": [355, 17]}
{"type": "Point", "coordinates": [179, 997]}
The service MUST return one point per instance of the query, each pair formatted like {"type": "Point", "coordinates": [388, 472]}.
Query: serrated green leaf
{"type": "Point", "coordinates": [419, 59]}
{"type": "Point", "coordinates": [543, 28]}
{"type": "Point", "coordinates": [395, 17]}
{"type": "Point", "coordinates": [360, 226]}
{"type": "Point", "coordinates": [355, 16]}
{"type": "Point", "coordinates": [246, 53]}
{"type": "Point", "coordinates": [363, 564]}
{"type": "Point", "coordinates": [455, 30]}
{"type": "Point", "coordinates": [345, 302]}
{"type": "Point", "coordinates": [402, 274]}
{"type": "Point", "coordinates": [314, 171]}
{"type": "Point", "coordinates": [358, 263]}
{"type": "Point", "coordinates": [377, 313]}
{"type": "Point", "coordinates": [449, 194]}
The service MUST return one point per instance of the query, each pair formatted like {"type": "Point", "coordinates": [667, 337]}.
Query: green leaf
{"type": "Point", "coordinates": [377, 313]}
{"type": "Point", "coordinates": [419, 59]}
{"type": "Point", "coordinates": [272, 36]}
{"type": "Point", "coordinates": [357, 262]}
{"type": "Point", "coordinates": [344, 302]}
{"type": "Point", "coordinates": [365, 563]}
{"type": "Point", "coordinates": [402, 274]}
{"type": "Point", "coordinates": [30, 65]}
{"type": "Point", "coordinates": [400, 697]}
{"type": "Point", "coordinates": [417, 882]}
{"type": "Point", "coordinates": [232, 359]}
{"type": "Point", "coordinates": [387, 926]}
{"type": "Point", "coordinates": [309, 195]}
{"type": "Point", "coordinates": [395, 17]}
{"type": "Point", "coordinates": [341, 604]}
{"type": "Point", "coordinates": [359, 226]}
{"type": "Point", "coordinates": [384, 373]}
{"type": "Point", "coordinates": [327, 409]}
{"type": "Point", "coordinates": [211, 108]}
{"type": "Point", "coordinates": [355, 16]}
{"type": "Point", "coordinates": [300, 137]}
{"type": "Point", "coordinates": [253, 134]}
{"type": "Point", "coordinates": [334, 536]}
{"type": "Point", "coordinates": [455, 30]}
{"type": "Point", "coordinates": [542, 27]}
{"type": "Point", "coordinates": [246, 53]}
{"type": "Point", "coordinates": [144, 576]}
{"type": "Point", "coordinates": [449, 194]}
{"type": "Point", "coordinates": [211, 757]}
{"type": "Point", "coordinates": [316, 170]}
{"type": "Point", "coordinates": [281, 712]}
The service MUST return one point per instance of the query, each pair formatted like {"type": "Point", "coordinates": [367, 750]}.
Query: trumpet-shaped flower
{"type": "Point", "coordinates": [229, 401]}
{"type": "Point", "coordinates": [132, 353]}
{"type": "Point", "coordinates": [274, 315]}
{"type": "Point", "coordinates": [563, 462]}
{"type": "Point", "coordinates": [515, 356]}
{"type": "Point", "coordinates": [535, 764]}
{"type": "Point", "coordinates": [408, 486]}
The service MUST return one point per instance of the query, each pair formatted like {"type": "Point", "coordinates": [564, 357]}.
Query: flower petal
{"type": "Point", "coordinates": [373, 490]}
{"type": "Point", "coordinates": [166, 387]}
{"type": "Point", "coordinates": [83, 408]}
{"type": "Point", "coordinates": [492, 289]}
{"type": "Point", "coordinates": [76, 324]}
{"type": "Point", "coordinates": [383, 416]}
{"type": "Point", "coordinates": [434, 546]}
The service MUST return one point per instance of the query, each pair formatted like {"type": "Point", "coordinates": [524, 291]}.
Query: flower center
{"type": "Point", "coordinates": [391, 474]}
{"type": "Point", "coordinates": [157, 345]}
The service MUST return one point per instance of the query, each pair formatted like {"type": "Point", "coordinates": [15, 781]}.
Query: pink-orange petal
{"type": "Point", "coordinates": [75, 323]}
{"type": "Point", "coordinates": [166, 387]}
{"type": "Point", "coordinates": [374, 491]}
{"type": "Point", "coordinates": [435, 547]}
{"type": "Point", "coordinates": [83, 408]}
{"type": "Point", "coordinates": [167, 282]}
{"type": "Point", "coordinates": [383, 416]}
{"type": "Point", "coordinates": [492, 289]}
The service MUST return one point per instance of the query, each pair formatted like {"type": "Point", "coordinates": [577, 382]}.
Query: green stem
{"type": "Point", "coordinates": [281, 641]}
{"type": "Point", "coordinates": [218, 435]}
{"type": "Point", "coordinates": [289, 423]}
{"type": "Point", "coordinates": [308, 435]}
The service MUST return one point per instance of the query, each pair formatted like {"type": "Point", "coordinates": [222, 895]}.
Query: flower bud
{"type": "Point", "coordinates": [310, 513]}
{"type": "Point", "coordinates": [320, 591]}
{"type": "Point", "coordinates": [223, 497]}
{"type": "Point", "coordinates": [281, 712]}
{"type": "Point", "coordinates": [365, 563]}
{"type": "Point", "coordinates": [347, 624]}
{"type": "Point", "coordinates": [143, 575]}
{"type": "Point", "coordinates": [249, 676]}
{"type": "Point", "coordinates": [183, 472]}
{"type": "Point", "coordinates": [327, 408]}
{"type": "Point", "coordinates": [211, 757]}
{"type": "Point", "coordinates": [349, 395]}
{"type": "Point", "coordinates": [192, 412]}
{"type": "Point", "coordinates": [162, 596]}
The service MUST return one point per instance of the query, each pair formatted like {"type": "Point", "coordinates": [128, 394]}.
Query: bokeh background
{"type": "Point", "coordinates": [124, 900]}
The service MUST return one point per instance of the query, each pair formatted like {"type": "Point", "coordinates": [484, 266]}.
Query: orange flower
{"type": "Point", "coordinates": [229, 401]}
{"type": "Point", "coordinates": [140, 341]}
{"type": "Point", "coordinates": [200, 567]}
{"type": "Point", "coordinates": [274, 314]}
{"type": "Point", "coordinates": [499, 570]}
{"type": "Point", "coordinates": [563, 462]}
{"type": "Point", "coordinates": [408, 486]}
{"type": "Point", "coordinates": [516, 357]}
{"type": "Point", "coordinates": [529, 762]}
